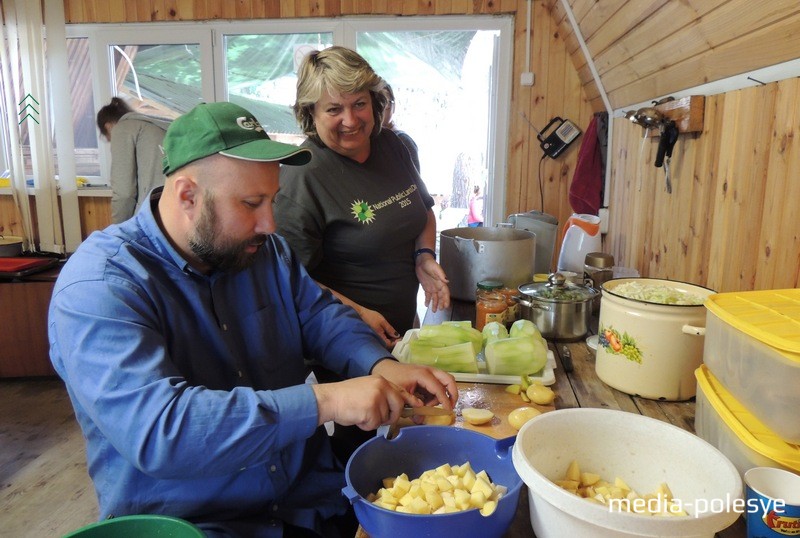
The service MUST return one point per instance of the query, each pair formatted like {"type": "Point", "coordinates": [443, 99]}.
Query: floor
{"type": "Point", "coordinates": [44, 487]}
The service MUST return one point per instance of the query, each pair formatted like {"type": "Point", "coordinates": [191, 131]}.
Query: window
{"type": "Point", "coordinates": [261, 76]}
{"type": "Point", "coordinates": [84, 130]}
{"type": "Point", "coordinates": [459, 115]}
{"type": "Point", "coordinates": [158, 69]}
{"type": "Point", "coordinates": [442, 81]}
{"type": "Point", "coordinates": [158, 80]}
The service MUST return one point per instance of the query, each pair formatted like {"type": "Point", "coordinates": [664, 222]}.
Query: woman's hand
{"type": "Point", "coordinates": [434, 282]}
{"type": "Point", "coordinates": [378, 323]}
{"type": "Point", "coordinates": [374, 319]}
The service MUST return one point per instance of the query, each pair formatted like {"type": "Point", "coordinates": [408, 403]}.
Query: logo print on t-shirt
{"type": "Point", "coordinates": [362, 212]}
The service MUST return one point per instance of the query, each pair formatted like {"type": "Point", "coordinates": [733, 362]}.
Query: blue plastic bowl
{"type": "Point", "coordinates": [415, 450]}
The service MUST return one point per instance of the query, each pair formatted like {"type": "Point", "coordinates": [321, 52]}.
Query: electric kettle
{"type": "Point", "coordinates": [581, 236]}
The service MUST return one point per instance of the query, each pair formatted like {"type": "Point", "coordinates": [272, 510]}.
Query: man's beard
{"type": "Point", "coordinates": [221, 253]}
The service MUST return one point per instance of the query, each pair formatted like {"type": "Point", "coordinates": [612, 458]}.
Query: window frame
{"type": "Point", "coordinates": [102, 38]}
{"type": "Point", "coordinates": [210, 36]}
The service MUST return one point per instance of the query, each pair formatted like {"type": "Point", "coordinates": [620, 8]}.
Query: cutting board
{"type": "Point", "coordinates": [487, 396]}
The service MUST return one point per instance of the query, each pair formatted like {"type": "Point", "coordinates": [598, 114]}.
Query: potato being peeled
{"type": "Point", "coordinates": [439, 420]}
{"type": "Point", "coordinates": [519, 416]}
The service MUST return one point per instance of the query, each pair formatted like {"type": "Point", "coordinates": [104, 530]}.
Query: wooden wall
{"type": "Point", "coordinates": [730, 222]}
{"type": "Point", "coordinates": [556, 92]}
{"type": "Point", "coordinates": [643, 50]}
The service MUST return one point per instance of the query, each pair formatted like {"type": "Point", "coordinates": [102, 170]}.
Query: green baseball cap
{"type": "Point", "coordinates": [227, 129]}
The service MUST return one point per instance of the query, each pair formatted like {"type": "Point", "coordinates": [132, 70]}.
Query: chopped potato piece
{"type": "Point", "coordinates": [444, 470]}
{"type": "Point", "coordinates": [574, 471]}
{"type": "Point", "coordinates": [518, 417]}
{"type": "Point", "coordinates": [590, 479]}
{"type": "Point", "coordinates": [619, 496]}
{"type": "Point", "coordinates": [443, 490]}
{"type": "Point", "coordinates": [477, 416]}
{"type": "Point", "coordinates": [444, 484]}
{"type": "Point", "coordinates": [539, 394]}
{"type": "Point", "coordinates": [488, 508]}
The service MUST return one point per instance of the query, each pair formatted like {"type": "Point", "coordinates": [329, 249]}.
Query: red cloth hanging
{"type": "Point", "coordinates": [587, 183]}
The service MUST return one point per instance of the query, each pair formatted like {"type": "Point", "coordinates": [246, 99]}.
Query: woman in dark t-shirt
{"type": "Point", "coordinates": [358, 215]}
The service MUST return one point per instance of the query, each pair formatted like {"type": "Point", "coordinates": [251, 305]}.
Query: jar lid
{"type": "Point", "coordinates": [599, 259]}
{"type": "Point", "coordinates": [559, 290]}
{"type": "Point", "coordinates": [489, 285]}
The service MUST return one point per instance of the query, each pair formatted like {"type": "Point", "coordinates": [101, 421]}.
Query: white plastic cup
{"type": "Point", "coordinates": [773, 503]}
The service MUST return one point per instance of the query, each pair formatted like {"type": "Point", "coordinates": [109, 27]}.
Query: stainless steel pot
{"type": "Point", "coordinates": [469, 255]}
{"type": "Point", "coordinates": [560, 309]}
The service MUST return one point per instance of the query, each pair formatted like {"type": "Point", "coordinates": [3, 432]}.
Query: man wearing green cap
{"type": "Point", "coordinates": [181, 333]}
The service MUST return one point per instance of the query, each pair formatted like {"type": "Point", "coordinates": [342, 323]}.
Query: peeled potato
{"type": "Point", "coordinates": [539, 394]}
{"type": "Point", "coordinates": [439, 420]}
{"type": "Point", "coordinates": [476, 416]}
{"type": "Point", "coordinates": [521, 415]}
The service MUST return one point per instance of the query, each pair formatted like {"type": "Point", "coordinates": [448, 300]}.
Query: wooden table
{"type": "Point", "coordinates": [581, 388]}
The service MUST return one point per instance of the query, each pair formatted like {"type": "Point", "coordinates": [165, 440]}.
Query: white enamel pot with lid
{"type": "Point", "coordinates": [647, 348]}
{"type": "Point", "coordinates": [559, 308]}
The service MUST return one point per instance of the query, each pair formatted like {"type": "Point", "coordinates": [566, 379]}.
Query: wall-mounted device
{"type": "Point", "coordinates": [556, 136]}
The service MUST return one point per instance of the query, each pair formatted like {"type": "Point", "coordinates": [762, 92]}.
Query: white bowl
{"type": "Point", "coordinates": [642, 451]}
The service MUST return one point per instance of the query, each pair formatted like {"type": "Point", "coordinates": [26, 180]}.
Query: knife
{"type": "Point", "coordinates": [425, 411]}
{"type": "Point", "coordinates": [566, 359]}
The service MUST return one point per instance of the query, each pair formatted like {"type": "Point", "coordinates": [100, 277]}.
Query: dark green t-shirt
{"type": "Point", "coordinates": [354, 225]}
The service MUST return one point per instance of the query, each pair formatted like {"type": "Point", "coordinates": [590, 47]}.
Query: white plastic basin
{"type": "Point", "coordinates": [642, 451]}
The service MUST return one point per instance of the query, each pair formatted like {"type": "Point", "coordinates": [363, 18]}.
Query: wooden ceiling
{"type": "Point", "coordinates": [644, 49]}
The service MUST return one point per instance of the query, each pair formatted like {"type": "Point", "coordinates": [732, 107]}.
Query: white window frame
{"type": "Point", "coordinates": [210, 36]}
{"type": "Point", "coordinates": [103, 37]}
{"type": "Point", "coordinates": [277, 26]}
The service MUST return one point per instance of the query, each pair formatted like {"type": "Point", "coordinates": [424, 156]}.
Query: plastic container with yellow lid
{"type": "Point", "coordinates": [725, 423]}
{"type": "Point", "coordinates": [752, 345]}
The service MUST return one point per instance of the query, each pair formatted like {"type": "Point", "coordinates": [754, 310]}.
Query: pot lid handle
{"type": "Point", "coordinates": [556, 280]}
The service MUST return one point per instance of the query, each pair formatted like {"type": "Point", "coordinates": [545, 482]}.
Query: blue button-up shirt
{"type": "Point", "coordinates": [189, 388]}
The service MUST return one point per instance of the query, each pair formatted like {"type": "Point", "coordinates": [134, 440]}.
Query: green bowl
{"type": "Point", "coordinates": [139, 526]}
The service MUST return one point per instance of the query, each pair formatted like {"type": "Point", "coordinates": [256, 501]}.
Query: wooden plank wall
{"type": "Point", "coordinates": [643, 50]}
{"type": "Point", "coordinates": [730, 222]}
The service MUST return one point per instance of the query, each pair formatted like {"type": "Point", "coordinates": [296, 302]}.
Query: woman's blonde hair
{"type": "Point", "coordinates": [337, 70]}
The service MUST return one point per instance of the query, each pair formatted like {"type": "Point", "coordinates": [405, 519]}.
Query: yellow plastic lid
{"type": "Point", "coordinates": [771, 316]}
{"type": "Point", "coordinates": [751, 431]}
